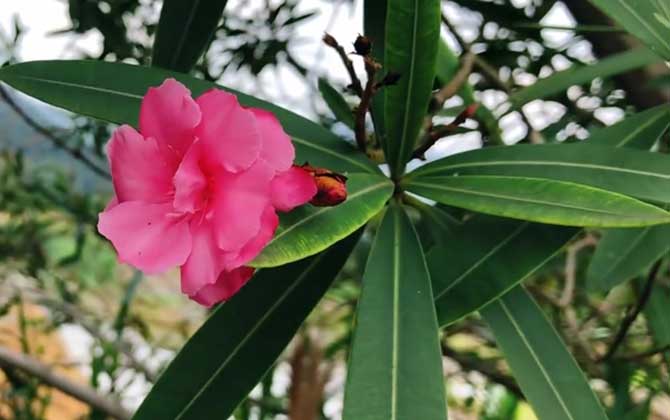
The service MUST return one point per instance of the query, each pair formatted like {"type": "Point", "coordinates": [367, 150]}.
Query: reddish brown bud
{"type": "Point", "coordinates": [331, 186]}
{"type": "Point", "coordinates": [329, 40]}
{"type": "Point", "coordinates": [362, 45]}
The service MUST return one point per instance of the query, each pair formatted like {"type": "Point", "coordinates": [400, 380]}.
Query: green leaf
{"type": "Point", "coordinates": [483, 261]}
{"type": "Point", "coordinates": [639, 174]}
{"type": "Point", "coordinates": [412, 36]}
{"type": "Point", "coordinates": [639, 131]}
{"type": "Point", "coordinates": [230, 353]}
{"type": "Point", "coordinates": [546, 372]}
{"type": "Point", "coordinates": [336, 102]}
{"type": "Point", "coordinates": [184, 30]}
{"type": "Point", "coordinates": [539, 200]}
{"type": "Point", "coordinates": [623, 254]}
{"type": "Point", "coordinates": [658, 316]}
{"type": "Point", "coordinates": [113, 91]}
{"type": "Point", "coordinates": [645, 19]}
{"type": "Point", "coordinates": [374, 27]}
{"type": "Point", "coordinates": [579, 75]}
{"type": "Point", "coordinates": [308, 230]}
{"type": "Point", "coordinates": [395, 367]}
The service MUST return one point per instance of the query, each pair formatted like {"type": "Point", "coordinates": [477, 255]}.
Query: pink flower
{"type": "Point", "coordinates": [198, 187]}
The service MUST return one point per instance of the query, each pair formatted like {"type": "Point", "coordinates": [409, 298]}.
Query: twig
{"type": "Point", "coordinates": [56, 141]}
{"type": "Point", "coordinates": [457, 82]}
{"type": "Point", "coordinates": [645, 354]}
{"type": "Point", "coordinates": [571, 269]}
{"type": "Point", "coordinates": [33, 367]}
{"type": "Point", "coordinates": [371, 68]}
{"type": "Point", "coordinates": [356, 85]}
{"type": "Point", "coordinates": [632, 315]}
{"type": "Point", "coordinates": [441, 131]}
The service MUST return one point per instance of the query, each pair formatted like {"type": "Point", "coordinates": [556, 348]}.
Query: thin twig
{"type": "Point", "coordinates": [645, 354]}
{"type": "Point", "coordinates": [457, 82]}
{"type": "Point", "coordinates": [436, 133]}
{"type": "Point", "coordinates": [56, 141]}
{"type": "Point", "coordinates": [371, 68]}
{"type": "Point", "coordinates": [35, 368]}
{"type": "Point", "coordinates": [356, 85]}
{"type": "Point", "coordinates": [632, 315]}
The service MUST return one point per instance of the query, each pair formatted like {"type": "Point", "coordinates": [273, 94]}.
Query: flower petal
{"type": "Point", "coordinates": [228, 283]}
{"type": "Point", "coordinates": [239, 202]}
{"type": "Point", "coordinates": [229, 133]}
{"type": "Point", "coordinates": [269, 223]}
{"type": "Point", "coordinates": [190, 182]}
{"type": "Point", "coordinates": [169, 114]}
{"type": "Point", "coordinates": [292, 188]}
{"type": "Point", "coordinates": [277, 149]}
{"type": "Point", "coordinates": [206, 261]}
{"type": "Point", "coordinates": [139, 171]}
{"type": "Point", "coordinates": [147, 236]}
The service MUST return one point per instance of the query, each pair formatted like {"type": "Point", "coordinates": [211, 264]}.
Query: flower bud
{"type": "Point", "coordinates": [331, 186]}
{"type": "Point", "coordinates": [329, 40]}
{"type": "Point", "coordinates": [362, 45]}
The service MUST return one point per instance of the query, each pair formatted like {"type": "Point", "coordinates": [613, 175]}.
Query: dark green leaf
{"type": "Point", "coordinates": [395, 368]}
{"type": "Point", "coordinates": [184, 30]}
{"type": "Point", "coordinates": [412, 37]}
{"type": "Point", "coordinates": [546, 372]}
{"type": "Point", "coordinates": [374, 27]}
{"type": "Point", "coordinates": [657, 314]}
{"type": "Point", "coordinates": [236, 346]}
{"type": "Point", "coordinates": [485, 258]}
{"type": "Point", "coordinates": [336, 102]}
{"type": "Point", "coordinates": [539, 200]}
{"type": "Point", "coordinates": [113, 91]}
{"type": "Point", "coordinates": [308, 230]}
{"type": "Point", "coordinates": [639, 131]}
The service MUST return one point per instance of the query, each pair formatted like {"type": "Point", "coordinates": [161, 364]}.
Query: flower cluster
{"type": "Point", "coordinates": [198, 187]}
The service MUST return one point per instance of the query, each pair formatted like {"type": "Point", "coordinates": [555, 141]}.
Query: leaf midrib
{"type": "Point", "coordinates": [650, 28]}
{"type": "Point", "coordinates": [185, 32]}
{"type": "Point", "coordinates": [250, 333]}
{"type": "Point", "coordinates": [396, 311]}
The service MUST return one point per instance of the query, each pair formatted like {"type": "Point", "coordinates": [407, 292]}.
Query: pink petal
{"type": "Point", "coordinates": [228, 283]}
{"type": "Point", "coordinates": [206, 261]}
{"type": "Point", "coordinates": [169, 114]}
{"type": "Point", "coordinates": [292, 188]}
{"type": "Point", "coordinates": [277, 149]}
{"type": "Point", "coordinates": [139, 171]}
{"type": "Point", "coordinates": [269, 223]}
{"type": "Point", "coordinates": [147, 236]}
{"type": "Point", "coordinates": [190, 182]}
{"type": "Point", "coordinates": [239, 202]}
{"type": "Point", "coordinates": [229, 133]}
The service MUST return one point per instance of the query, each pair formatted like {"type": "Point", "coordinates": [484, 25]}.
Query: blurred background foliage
{"type": "Point", "coordinates": [66, 303]}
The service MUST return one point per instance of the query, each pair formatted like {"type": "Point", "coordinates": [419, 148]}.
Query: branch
{"type": "Point", "coordinates": [355, 82]}
{"type": "Point", "coordinates": [442, 131]}
{"type": "Point", "coordinates": [56, 141]}
{"type": "Point", "coordinates": [457, 82]}
{"type": "Point", "coordinates": [35, 368]}
{"type": "Point", "coordinates": [371, 68]}
{"type": "Point", "coordinates": [632, 315]}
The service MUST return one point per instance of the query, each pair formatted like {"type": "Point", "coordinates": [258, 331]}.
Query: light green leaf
{"type": "Point", "coordinates": [412, 36]}
{"type": "Point", "coordinates": [539, 200]}
{"type": "Point", "coordinates": [641, 18]}
{"type": "Point", "coordinates": [639, 174]}
{"type": "Point", "coordinates": [395, 367]}
{"type": "Point", "coordinates": [639, 131]}
{"type": "Point", "coordinates": [113, 91]}
{"type": "Point", "coordinates": [374, 27]}
{"type": "Point", "coordinates": [483, 261]}
{"type": "Point", "coordinates": [579, 75]}
{"type": "Point", "coordinates": [336, 102]}
{"type": "Point", "coordinates": [308, 230]}
{"type": "Point", "coordinates": [230, 353]}
{"type": "Point", "coordinates": [184, 30]}
{"type": "Point", "coordinates": [545, 370]}
{"type": "Point", "coordinates": [623, 254]}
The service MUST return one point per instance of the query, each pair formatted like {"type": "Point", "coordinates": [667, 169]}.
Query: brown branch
{"type": "Point", "coordinates": [632, 315]}
{"type": "Point", "coordinates": [371, 68]}
{"type": "Point", "coordinates": [355, 82]}
{"type": "Point", "coordinates": [56, 141]}
{"type": "Point", "coordinates": [457, 82]}
{"type": "Point", "coordinates": [35, 368]}
{"type": "Point", "coordinates": [442, 131]}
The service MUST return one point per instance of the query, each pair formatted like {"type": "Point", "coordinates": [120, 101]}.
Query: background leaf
{"type": "Point", "coordinates": [374, 27]}
{"type": "Point", "coordinates": [639, 131]}
{"type": "Point", "coordinates": [395, 367]}
{"type": "Point", "coordinates": [308, 229]}
{"type": "Point", "coordinates": [547, 373]}
{"type": "Point", "coordinates": [412, 36]}
{"type": "Point", "coordinates": [539, 200]}
{"type": "Point", "coordinates": [239, 342]}
{"type": "Point", "coordinates": [184, 30]}
{"type": "Point", "coordinates": [336, 102]}
{"type": "Point", "coordinates": [113, 91]}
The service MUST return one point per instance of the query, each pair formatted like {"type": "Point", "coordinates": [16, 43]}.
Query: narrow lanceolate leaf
{"type": "Point", "coordinates": [625, 253]}
{"type": "Point", "coordinates": [546, 372]}
{"type": "Point", "coordinates": [113, 92]}
{"type": "Point", "coordinates": [648, 20]}
{"type": "Point", "coordinates": [374, 27]}
{"type": "Point", "coordinates": [308, 229]}
{"type": "Point", "coordinates": [336, 102]}
{"type": "Point", "coordinates": [639, 131]}
{"type": "Point", "coordinates": [579, 75]}
{"type": "Point", "coordinates": [658, 316]}
{"type": "Point", "coordinates": [184, 30]}
{"type": "Point", "coordinates": [395, 367]}
{"type": "Point", "coordinates": [539, 200]}
{"type": "Point", "coordinates": [412, 36]}
{"type": "Point", "coordinates": [482, 262]}
{"type": "Point", "coordinates": [636, 173]}
{"type": "Point", "coordinates": [236, 346]}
